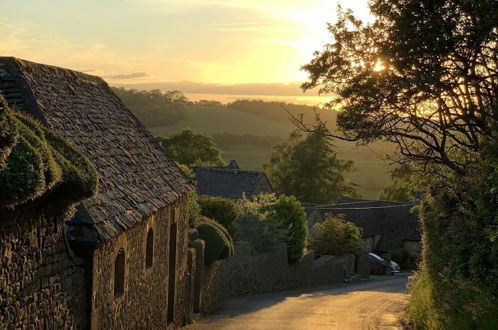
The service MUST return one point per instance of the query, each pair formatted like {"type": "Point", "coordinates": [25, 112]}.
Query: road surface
{"type": "Point", "coordinates": [371, 304]}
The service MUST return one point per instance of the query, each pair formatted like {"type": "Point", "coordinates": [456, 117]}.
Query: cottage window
{"type": "Point", "coordinates": [149, 249]}
{"type": "Point", "coordinates": [119, 274]}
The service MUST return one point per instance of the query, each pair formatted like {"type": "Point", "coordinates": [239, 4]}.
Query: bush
{"type": "Point", "coordinates": [288, 216]}
{"type": "Point", "coordinates": [263, 235]}
{"type": "Point", "coordinates": [194, 210]}
{"type": "Point", "coordinates": [335, 236]}
{"type": "Point", "coordinates": [219, 243]}
{"type": "Point", "coordinates": [399, 255]}
{"type": "Point", "coordinates": [223, 210]}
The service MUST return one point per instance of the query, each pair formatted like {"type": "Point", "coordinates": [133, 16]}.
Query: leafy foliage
{"type": "Point", "coordinates": [399, 255]}
{"type": "Point", "coordinates": [423, 76]}
{"type": "Point", "coordinates": [307, 168]}
{"type": "Point", "coordinates": [192, 148]}
{"type": "Point", "coordinates": [408, 182]}
{"type": "Point", "coordinates": [253, 226]}
{"type": "Point", "coordinates": [263, 235]}
{"type": "Point", "coordinates": [34, 161]}
{"type": "Point", "coordinates": [335, 236]}
{"type": "Point", "coordinates": [154, 108]}
{"type": "Point", "coordinates": [460, 250]}
{"type": "Point", "coordinates": [287, 214]}
{"type": "Point", "coordinates": [223, 210]}
{"type": "Point", "coordinates": [194, 209]}
{"type": "Point", "coordinates": [219, 243]}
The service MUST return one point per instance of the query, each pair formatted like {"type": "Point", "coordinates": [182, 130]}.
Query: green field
{"type": "Point", "coordinates": [371, 175]}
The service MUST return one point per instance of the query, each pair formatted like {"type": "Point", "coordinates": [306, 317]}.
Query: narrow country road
{"type": "Point", "coordinates": [371, 304]}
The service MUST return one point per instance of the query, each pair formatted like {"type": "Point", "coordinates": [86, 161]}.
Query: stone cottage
{"type": "Point", "coordinates": [385, 225]}
{"type": "Point", "coordinates": [132, 235]}
{"type": "Point", "coordinates": [231, 182]}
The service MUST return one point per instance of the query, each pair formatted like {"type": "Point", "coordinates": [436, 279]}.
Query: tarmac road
{"type": "Point", "coordinates": [377, 303]}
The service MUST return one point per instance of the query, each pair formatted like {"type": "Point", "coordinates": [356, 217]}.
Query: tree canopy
{"type": "Point", "coordinates": [306, 166]}
{"type": "Point", "coordinates": [424, 75]}
{"type": "Point", "coordinates": [190, 147]}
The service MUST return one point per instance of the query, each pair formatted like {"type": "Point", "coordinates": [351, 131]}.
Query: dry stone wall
{"type": "Point", "coordinates": [42, 285]}
{"type": "Point", "coordinates": [247, 273]}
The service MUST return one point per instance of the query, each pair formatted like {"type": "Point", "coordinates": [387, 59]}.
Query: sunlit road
{"type": "Point", "coordinates": [373, 304]}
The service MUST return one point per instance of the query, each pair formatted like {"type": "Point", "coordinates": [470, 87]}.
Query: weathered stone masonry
{"type": "Point", "coordinates": [42, 286]}
{"type": "Point", "coordinates": [144, 303]}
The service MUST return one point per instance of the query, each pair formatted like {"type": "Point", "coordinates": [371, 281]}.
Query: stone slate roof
{"type": "Point", "coordinates": [136, 177]}
{"type": "Point", "coordinates": [229, 182]}
{"type": "Point", "coordinates": [395, 222]}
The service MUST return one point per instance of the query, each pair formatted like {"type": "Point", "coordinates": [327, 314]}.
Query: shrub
{"type": "Point", "coordinates": [223, 210]}
{"type": "Point", "coordinates": [335, 236]}
{"type": "Point", "coordinates": [399, 255]}
{"type": "Point", "coordinates": [219, 243]}
{"type": "Point", "coordinates": [194, 210]}
{"type": "Point", "coordinates": [263, 235]}
{"type": "Point", "coordinates": [288, 215]}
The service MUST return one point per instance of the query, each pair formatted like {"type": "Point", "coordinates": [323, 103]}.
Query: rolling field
{"type": "Point", "coordinates": [371, 175]}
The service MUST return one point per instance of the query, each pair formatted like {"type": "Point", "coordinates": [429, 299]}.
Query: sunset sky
{"type": "Point", "coordinates": [208, 41]}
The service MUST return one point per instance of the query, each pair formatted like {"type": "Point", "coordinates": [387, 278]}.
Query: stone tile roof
{"type": "Point", "coordinates": [395, 222]}
{"type": "Point", "coordinates": [136, 177]}
{"type": "Point", "coordinates": [230, 182]}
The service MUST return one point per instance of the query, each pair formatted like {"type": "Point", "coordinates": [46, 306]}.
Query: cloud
{"type": "Point", "coordinates": [128, 76]}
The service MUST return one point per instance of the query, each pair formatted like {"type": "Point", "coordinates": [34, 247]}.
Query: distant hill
{"type": "Point", "coordinates": [247, 130]}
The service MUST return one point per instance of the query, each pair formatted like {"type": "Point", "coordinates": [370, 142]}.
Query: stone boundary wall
{"type": "Point", "coordinates": [247, 273]}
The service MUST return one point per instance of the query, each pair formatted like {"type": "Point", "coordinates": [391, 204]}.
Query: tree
{"type": "Point", "coordinates": [222, 210]}
{"type": "Point", "coordinates": [408, 182]}
{"type": "Point", "coordinates": [190, 147]}
{"type": "Point", "coordinates": [306, 166]}
{"type": "Point", "coordinates": [424, 75]}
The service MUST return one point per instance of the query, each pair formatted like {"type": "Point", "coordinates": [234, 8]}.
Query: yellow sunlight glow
{"type": "Point", "coordinates": [379, 66]}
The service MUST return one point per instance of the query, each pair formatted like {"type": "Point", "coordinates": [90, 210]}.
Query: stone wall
{"type": "Point", "coordinates": [144, 303]}
{"type": "Point", "coordinates": [42, 285]}
{"type": "Point", "coordinates": [247, 273]}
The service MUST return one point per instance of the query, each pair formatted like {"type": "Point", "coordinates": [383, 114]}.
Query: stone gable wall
{"type": "Point", "coordinates": [42, 285]}
{"type": "Point", "coordinates": [144, 302]}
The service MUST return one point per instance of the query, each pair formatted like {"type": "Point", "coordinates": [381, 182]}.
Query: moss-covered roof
{"type": "Point", "coordinates": [34, 161]}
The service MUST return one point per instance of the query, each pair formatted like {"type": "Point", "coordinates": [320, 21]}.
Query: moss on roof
{"type": "Point", "coordinates": [35, 161]}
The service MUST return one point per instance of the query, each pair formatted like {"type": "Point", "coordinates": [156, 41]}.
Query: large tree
{"type": "Point", "coordinates": [190, 147]}
{"type": "Point", "coordinates": [306, 166]}
{"type": "Point", "coordinates": [424, 75]}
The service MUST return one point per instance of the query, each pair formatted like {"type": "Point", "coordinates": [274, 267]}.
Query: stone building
{"type": "Point", "coordinates": [385, 225]}
{"type": "Point", "coordinates": [42, 284]}
{"type": "Point", "coordinates": [231, 182]}
{"type": "Point", "coordinates": [132, 235]}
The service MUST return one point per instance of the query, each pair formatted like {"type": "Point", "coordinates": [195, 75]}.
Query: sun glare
{"type": "Point", "coordinates": [379, 66]}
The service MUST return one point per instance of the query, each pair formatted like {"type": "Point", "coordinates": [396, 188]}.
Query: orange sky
{"type": "Point", "coordinates": [135, 41]}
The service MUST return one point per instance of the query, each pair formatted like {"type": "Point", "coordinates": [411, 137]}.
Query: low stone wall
{"type": "Point", "coordinates": [247, 273]}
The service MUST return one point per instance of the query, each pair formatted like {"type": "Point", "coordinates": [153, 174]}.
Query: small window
{"type": "Point", "coordinates": [149, 249]}
{"type": "Point", "coordinates": [119, 274]}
